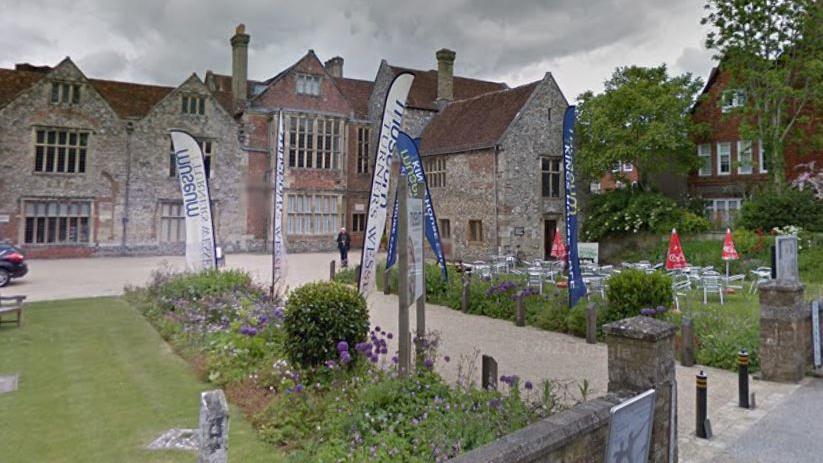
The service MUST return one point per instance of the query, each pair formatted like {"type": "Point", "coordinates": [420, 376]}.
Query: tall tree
{"type": "Point", "coordinates": [773, 51]}
{"type": "Point", "coordinates": [641, 117]}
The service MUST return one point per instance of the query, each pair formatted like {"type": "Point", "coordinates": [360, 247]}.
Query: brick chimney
{"type": "Point", "coordinates": [239, 65]}
{"type": "Point", "coordinates": [334, 66]}
{"type": "Point", "coordinates": [445, 76]}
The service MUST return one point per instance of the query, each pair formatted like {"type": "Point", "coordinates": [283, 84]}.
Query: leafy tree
{"type": "Point", "coordinates": [641, 117]}
{"type": "Point", "coordinates": [773, 51]}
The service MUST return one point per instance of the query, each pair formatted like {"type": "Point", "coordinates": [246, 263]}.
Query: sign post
{"type": "Point", "coordinates": [411, 283]}
{"type": "Point", "coordinates": [404, 337]}
{"type": "Point", "coordinates": [816, 332]}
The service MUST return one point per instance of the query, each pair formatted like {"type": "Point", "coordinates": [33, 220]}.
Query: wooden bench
{"type": "Point", "coordinates": [9, 305]}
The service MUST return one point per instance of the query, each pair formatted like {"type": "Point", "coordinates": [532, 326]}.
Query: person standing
{"type": "Point", "coordinates": [343, 245]}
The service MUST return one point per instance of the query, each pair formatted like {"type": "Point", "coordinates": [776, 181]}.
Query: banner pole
{"type": "Point", "coordinates": [404, 355]}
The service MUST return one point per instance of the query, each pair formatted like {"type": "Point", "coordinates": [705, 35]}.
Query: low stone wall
{"type": "Point", "coordinates": [575, 435]}
{"type": "Point", "coordinates": [614, 246]}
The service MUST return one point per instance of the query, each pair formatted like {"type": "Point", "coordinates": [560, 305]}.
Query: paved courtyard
{"type": "Point", "coordinates": [527, 352]}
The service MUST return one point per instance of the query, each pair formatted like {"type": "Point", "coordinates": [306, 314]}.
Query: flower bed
{"type": "Point", "coordinates": [354, 406]}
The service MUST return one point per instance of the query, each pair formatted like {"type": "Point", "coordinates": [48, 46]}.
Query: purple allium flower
{"type": "Point", "coordinates": [279, 312]}
{"type": "Point", "coordinates": [390, 336]}
{"type": "Point", "coordinates": [394, 359]}
{"type": "Point", "coordinates": [262, 320]}
{"type": "Point", "coordinates": [528, 385]}
{"type": "Point", "coordinates": [374, 359]}
{"type": "Point", "coordinates": [661, 308]}
{"type": "Point", "coordinates": [648, 312]}
{"type": "Point", "coordinates": [331, 363]}
{"type": "Point", "coordinates": [376, 328]}
{"type": "Point", "coordinates": [248, 330]}
{"type": "Point", "coordinates": [345, 358]}
{"type": "Point", "coordinates": [342, 346]}
{"type": "Point", "coordinates": [446, 358]}
{"type": "Point", "coordinates": [299, 388]}
{"type": "Point", "coordinates": [428, 363]}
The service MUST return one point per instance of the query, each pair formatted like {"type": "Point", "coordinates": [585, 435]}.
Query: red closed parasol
{"type": "Point", "coordinates": [675, 258]}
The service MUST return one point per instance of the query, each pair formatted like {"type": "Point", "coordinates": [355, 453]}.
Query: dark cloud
{"type": "Point", "coordinates": [164, 41]}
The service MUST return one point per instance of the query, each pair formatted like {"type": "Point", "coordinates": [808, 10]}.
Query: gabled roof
{"type": "Point", "coordinates": [357, 93]}
{"type": "Point", "coordinates": [12, 82]}
{"type": "Point", "coordinates": [222, 89]}
{"type": "Point", "coordinates": [474, 123]}
{"type": "Point", "coordinates": [423, 93]}
{"type": "Point", "coordinates": [130, 100]}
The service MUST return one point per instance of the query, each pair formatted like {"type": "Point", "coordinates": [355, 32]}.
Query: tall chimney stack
{"type": "Point", "coordinates": [445, 76]}
{"type": "Point", "coordinates": [239, 65]}
{"type": "Point", "coordinates": [334, 66]}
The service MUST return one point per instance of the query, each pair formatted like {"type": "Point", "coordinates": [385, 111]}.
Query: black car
{"type": "Point", "coordinates": [12, 264]}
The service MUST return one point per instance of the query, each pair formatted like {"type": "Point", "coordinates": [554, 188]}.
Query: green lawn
{"type": "Point", "coordinates": [97, 384]}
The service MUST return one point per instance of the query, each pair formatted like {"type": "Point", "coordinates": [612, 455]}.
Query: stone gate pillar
{"type": "Point", "coordinates": [641, 357]}
{"type": "Point", "coordinates": [785, 331]}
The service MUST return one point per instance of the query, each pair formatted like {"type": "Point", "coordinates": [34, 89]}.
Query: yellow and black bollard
{"type": "Point", "coordinates": [702, 406]}
{"type": "Point", "coordinates": [743, 378]}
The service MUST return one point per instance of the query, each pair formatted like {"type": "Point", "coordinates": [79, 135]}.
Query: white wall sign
{"type": "Point", "coordinates": [359, 207]}
{"type": "Point", "coordinates": [5, 218]}
{"type": "Point", "coordinates": [588, 251]}
{"type": "Point", "coordinates": [630, 429]}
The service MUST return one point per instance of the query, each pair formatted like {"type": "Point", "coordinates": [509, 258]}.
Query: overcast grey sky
{"type": "Point", "coordinates": [163, 41]}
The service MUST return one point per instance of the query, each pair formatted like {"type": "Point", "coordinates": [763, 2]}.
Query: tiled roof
{"type": "Point", "coordinates": [126, 99]}
{"type": "Point", "coordinates": [474, 123]}
{"type": "Point", "coordinates": [223, 93]}
{"type": "Point", "coordinates": [423, 93]}
{"type": "Point", "coordinates": [130, 100]}
{"type": "Point", "coordinates": [13, 82]}
{"type": "Point", "coordinates": [357, 93]}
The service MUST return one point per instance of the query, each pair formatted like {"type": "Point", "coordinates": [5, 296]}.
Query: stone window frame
{"type": "Point", "coordinates": [358, 222]}
{"type": "Point", "coordinates": [47, 218]}
{"type": "Point", "coordinates": [720, 157]}
{"type": "Point", "coordinates": [435, 169]}
{"type": "Point", "coordinates": [445, 229]}
{"type": "Point", "coordinates": [474, 231]}
{"type": "Point", "coordinates": [714, 212]}
{"type": "Point", "coordinates": [318, 214]}
{"type": "Point", "coordinates": [193, 104]}
{"type": "Point", "coordinates": [209, 148]}
{"type": "Point", "coordinates": [363, 151]}
{"type": "Point", "coordinates": [310, 145]}
{"type": "Point", "coordinates": [65, 92]}
{"type": "Point", "coordinates": [705, 156]}
{"type": "Point", "coordinates": [553, 175]}
{"type": "Point", "coordinates": [68, 143]}
{"type": "Point", "coordinates": [171, 219]}
{"type": "Point", "coordinates": [745, 167]}
{"type": "Point", "coordinates": [308, 84]}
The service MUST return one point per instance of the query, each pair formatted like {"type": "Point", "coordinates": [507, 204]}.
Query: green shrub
{"type": "Point", "coordinates": [632, 290]}
{"type": "Point", "coordinates": [318, 316]}
{"type": "Point", "coordinates": [576, 320]}
{"type": "Point", "coordinates": [551, 315]}
{"type": "Point", "coordinates": [347, 276]}
{"type": "Point", "coordinates": [770, 209]}
{"type": "Point", "coordinates": [632, 211]}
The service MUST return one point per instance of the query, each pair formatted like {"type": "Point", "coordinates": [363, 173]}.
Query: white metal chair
{"type": "Point", "coordinates": [680, 288]}
{"type": "Point", "coordinates": [535, 279]}
{"type": "Point", "coordinates": [761, 275]}
{"type": "Point", "coordinates": [712, 283]}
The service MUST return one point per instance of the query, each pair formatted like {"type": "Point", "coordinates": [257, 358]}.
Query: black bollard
{"type": "Point", "coordinates": [386, 281]}
{"type": "Point", "coordinates": [701, 415]}
{"type": "Point", "coordinates": [357, 276]}
{"type": "Point", "coordinates": [331, 270]}
{"type": "Point", "coordinates": [488, 370]}
{"type": "Point", "coordinates": [743, 378]}
{"type": "Point", "coordinates": [520, 315]}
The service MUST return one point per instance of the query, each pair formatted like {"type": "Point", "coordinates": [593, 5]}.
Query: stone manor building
{"type": "Point", "coordinates": [87, 166]}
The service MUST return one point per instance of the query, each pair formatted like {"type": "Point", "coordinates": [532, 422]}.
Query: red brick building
{"type": "Point", "coordinates": [732, 168]}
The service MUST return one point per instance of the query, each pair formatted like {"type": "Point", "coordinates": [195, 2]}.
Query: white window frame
{"type": "Point", "coordinates": [744, 167]}
{"type": "Point", "coordinates": [728, 145]}
{"type": "Point", "coordinates": [193, 105]}
{"type": "Point", "coordinates": [435, 168]}
{"type": "Point", "coordinates": [704, 153]}
{"type": "Point", "coordinates": [171, 227]}
{"type": "Point", "coordinates": [738, 99]}
{"type": "Point", "coordinates": [63, 92]}
{"type": "Point", "coordinates": [761, 158]}
{"type": "Point", "coordinates": [314, 142]}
